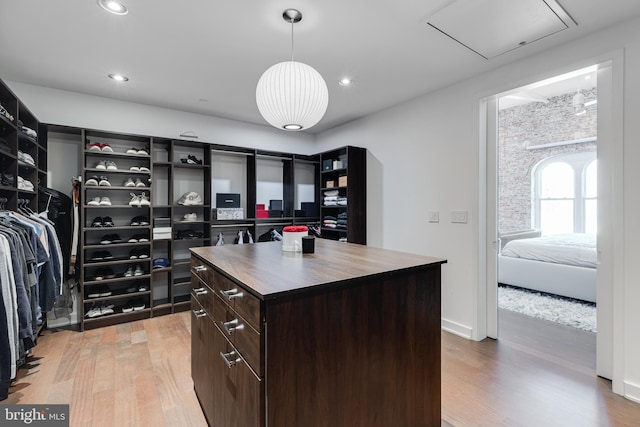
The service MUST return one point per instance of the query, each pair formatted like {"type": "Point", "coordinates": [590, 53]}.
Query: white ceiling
{"type": "Point", "coordinates": [206, 56]}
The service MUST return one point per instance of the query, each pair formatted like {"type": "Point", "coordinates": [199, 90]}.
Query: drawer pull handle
{"type": "Point", "coordinates": [232, 326]}
{"type": "Point", "coordinates": [199, 313]}
{"type": "Point", "coordinates": [200, 291]}
{"type": "Point", "coordinates": [200, 268]}
{"type": "Point", "coordinates": [232, 293]}
{"type": "Point", "coordinates": [226, 356]}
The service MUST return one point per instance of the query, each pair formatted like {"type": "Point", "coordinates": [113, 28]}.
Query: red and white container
{"type": "Point", "coordinates": [292, 237]}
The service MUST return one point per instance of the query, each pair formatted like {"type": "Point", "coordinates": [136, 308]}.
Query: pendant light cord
{"type": "Point", "coordinates": [292, 40]}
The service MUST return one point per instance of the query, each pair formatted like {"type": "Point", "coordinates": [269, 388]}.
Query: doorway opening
{"type": "Point", "coordinates": [547, 216]}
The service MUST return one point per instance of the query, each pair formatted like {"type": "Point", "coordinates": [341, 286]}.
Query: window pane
{"type": "Point", "coordinates": [591, 177]}
{"type": "Point", "coordinates": [591, 216]}
{"type": "Point", "coordinates": [557, 181]}
{"type": "Point", "coordinates": [556, 216]}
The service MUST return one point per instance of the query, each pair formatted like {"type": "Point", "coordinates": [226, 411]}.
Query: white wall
{"type": "Point", "coordinates": [424, 155]}
{"type": "Point", "coordinates": [92, 112]}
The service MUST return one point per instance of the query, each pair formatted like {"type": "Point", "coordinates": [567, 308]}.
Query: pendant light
{"type": "Point", "coordinates": [291, 95]}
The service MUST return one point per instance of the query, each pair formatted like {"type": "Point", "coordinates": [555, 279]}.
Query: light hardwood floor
{"type": "Point", "coordinates": [138, 374]}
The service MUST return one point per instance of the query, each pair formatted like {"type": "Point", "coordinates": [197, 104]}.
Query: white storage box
{"type": "Point", "coordinates": [229, 213]}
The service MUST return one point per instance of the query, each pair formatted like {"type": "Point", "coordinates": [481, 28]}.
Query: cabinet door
{"type": "Point", "coordinates": [237, 391]}
{"type": "Point", "coordinates": [201, 328]}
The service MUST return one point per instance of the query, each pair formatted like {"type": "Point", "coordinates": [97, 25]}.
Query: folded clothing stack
{"type": "Point", "coordinates": [342, 221]}
{"type": "Point", "coordinates": [331, 197]}
{"type": "Point", "coordinates": [330, 222]}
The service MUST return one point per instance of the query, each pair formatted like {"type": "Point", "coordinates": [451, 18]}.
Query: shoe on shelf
{"type": "Point", "coordinates": [239, 238]}
{"type": "Point", "coordinates": [107, 222]}
{"type": "Point", "coordinates": [135, 200]}
{"type": "Point", "coordinates": [138, 305]}
{"type": "Point", "coordinates": [94, 312]}
{"type": "Point", "coordinates": [105, 201]}
{"type": "Point", "coordinates": [97, 221]}
{"type": "Point", "coordinates": [92, 182]}
{"type": "Point", "coordinates": [143, 254]}
{"type": "Point", "coordinates": [128, 307]}
{"type": "Point", "coordinates": [106, 148]}
{"type": "Point", "coordinates": [248, 238]}
{"type": "Point", "coordinates": [144, 201]}
{"type": "Point", "coordinates": [131, 289]}
{"type": "Point", "coordinates": [129, 183]}
{"type": "Point", "coordinates": [134, 168]}
{"type": "Point", "coordinates": [143, 288]}
{"type": "Point", "coordinates": [138, 271]}
{"type": "Point", "coordinates": [139, 183]}
{"type": "Point", "coordinates": [108, 273]}
{"type": "Point", "coordinates": [111, 165]}
{"type": "Point", "coordinates": [193, 160]}
{"type": "Point", "coordinates": [133, 239]}
{"type": "Point", "coordinates": [128, 272]}
{"type": "Point", "coordinates": [190, 198]}
{"type": "Point", "coordinates": [106, 255]}
{"type": "Point", "coordinates": [161, 263]}
{"type": "Point", "coordinates": [143, 151]}
{"type": "Point", "coordinates": [94, 292]}
{"type": "Point", "coordinates": [98, 256]}
{"type": "Point", "coordinates": [104, 182]}
{"type": "Point", "coordinates": [139, 220]}
{"type": "Point", "coordinates": [134, 253]}
{"type": "Point", "coordinates": [143, 168]}
{"type": "Point", "coordinates": [220, 239]}
{"type": "Point", "coordinates": [99, 275]}
{"type": "Point", "coordinates": [132, 150]}
{"type": "Point", "coordinates": [94, 146]}
{"type": "Point", "coordinates": [107, 309]}
{"type": "Point", "coordinates": [104, 291]}
{"type": "Point", "coordinates": [190, 217]}
{"type": "Point", "coordinates": [106, 240]}
{"type": "Point", "coordinates": [115, 238]}
{"type": "Point", "coordinates": [94, 202]}
{"type": "Point", "coordinates": [102, 165]}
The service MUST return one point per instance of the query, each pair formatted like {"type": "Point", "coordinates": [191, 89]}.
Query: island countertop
{"type": "Point", "coordinates": [268, 272]}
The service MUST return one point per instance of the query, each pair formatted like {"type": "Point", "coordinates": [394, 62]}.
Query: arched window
{"type": "Point", "coordinates": [566, 194]}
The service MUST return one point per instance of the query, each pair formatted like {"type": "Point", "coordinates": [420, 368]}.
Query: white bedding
{"type": "Point", "coordinates": [570, 249]}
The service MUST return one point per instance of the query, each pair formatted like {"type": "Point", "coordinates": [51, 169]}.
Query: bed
{"type": "Point", "coordinates": [562, 264]}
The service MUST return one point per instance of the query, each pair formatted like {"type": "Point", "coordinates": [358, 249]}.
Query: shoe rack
{"type": "Point", "coordinates": [23, 153]}
{"type": "Point", "coordinates": [116, 245]}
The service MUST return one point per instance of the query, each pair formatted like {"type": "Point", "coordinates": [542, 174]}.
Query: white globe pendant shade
{"type": "Point", "coordinates": [292, 96]}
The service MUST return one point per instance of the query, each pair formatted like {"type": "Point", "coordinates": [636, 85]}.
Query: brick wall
{"type": "Point", "coordinates": [529, 125]}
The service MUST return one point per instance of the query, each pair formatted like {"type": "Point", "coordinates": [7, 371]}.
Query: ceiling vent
{"type": "Point", "coordinates": [493, 27]}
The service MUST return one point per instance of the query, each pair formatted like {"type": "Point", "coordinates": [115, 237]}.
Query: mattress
{"type": "Point", "coordinates": [569, 249]}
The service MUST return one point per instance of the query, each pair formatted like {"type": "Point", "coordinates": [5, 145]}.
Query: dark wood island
{"type": "Point", "coordinates": [347, 336]}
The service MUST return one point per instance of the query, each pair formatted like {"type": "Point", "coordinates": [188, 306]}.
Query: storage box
{"type": "Point", "coordinates": [330, 184]}
{"type": "Point", "coordinates": [227, 200]}
{"type": "Point", "coordinates": [327, 165]}
{"type": "Point", "coordinates": [262, 213]}
{"type": "Point", "coordinates": [161, 233]}
{"type": "Point", "coordinates": [275, 205]}
{"type": "Point", "coordinates": [337, 164]}
{"type": "Point", "coordinates": [342, 181]}
{"type": "Point", "coordinates": [228, 213]}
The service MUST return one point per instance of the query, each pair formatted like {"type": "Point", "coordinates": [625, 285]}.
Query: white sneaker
{"type": "Point", "coordinates": [129, 183]}
{"type": "Point", "coordinates": [105, 201]}
{"type": "Point", "coordinates": [111, 165]}
{"type": "Point", "coordinates": [104, 182]}
{"type": "Point", "coordinates": [139, 183]}
{"type": "Point", "coordinates": [143, 168]}
{"type": "Point", "coordinates": [135, 200]}
{"type": "Point", "coordinates": [190, 198]}
{"type": "Point", "coordinates": [94, 202]}
{"type": "Point", "coordinates": [135, 168]}
{"type": "Point", "coordinates": [102, 164]}
{"type": "Point", "coordinates": [143, 200]}
{"type": "Point", "coordinates": [190, 217]}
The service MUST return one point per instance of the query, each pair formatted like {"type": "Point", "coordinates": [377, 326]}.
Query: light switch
{"type": "Point", "coordinates": [459, 217]}
{"type": "Point", "coordinates": [434, 216]}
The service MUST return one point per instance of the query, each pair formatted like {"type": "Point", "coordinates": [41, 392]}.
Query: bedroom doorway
{"type": "Point", "coordinates": [547, 163]}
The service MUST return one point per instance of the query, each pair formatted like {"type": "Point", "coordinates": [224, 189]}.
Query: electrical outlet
{"type": "Point", "coordinates": [459, 217]}
{"type": "Point", "coordinates": [434, 216]}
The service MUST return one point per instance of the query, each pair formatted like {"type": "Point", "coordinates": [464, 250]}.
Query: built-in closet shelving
{"type": "Point", "coordinates": [170, 169]}
{"type": "Point", "coordinates": [116, 256]}
{"type": "Point", "coordinates": [23, 157]}
{"type": "Point", "coordinates": [344, 171]}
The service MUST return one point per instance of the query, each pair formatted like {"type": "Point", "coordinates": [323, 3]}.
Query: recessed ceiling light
{"type": "Point", "coordinates": [345, 81]}
{"type": "Point", "coordinates": [119, 77]}
{"type": "Point", "coordinates": [114, 7]}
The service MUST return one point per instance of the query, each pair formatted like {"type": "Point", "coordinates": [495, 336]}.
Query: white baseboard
{"type": "Point", "coordinates": [456, 328]}
{"type": "Point", "coordinates": [632, 391]}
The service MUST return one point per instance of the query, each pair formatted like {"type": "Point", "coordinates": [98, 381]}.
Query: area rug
{"type": "Point", "coordinates": [566, 311]}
